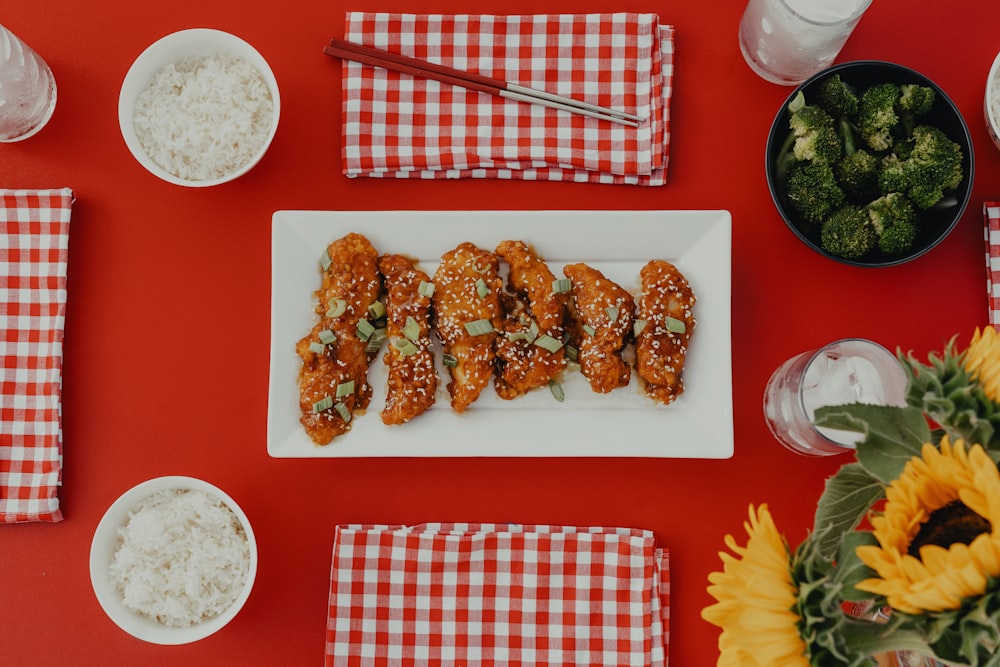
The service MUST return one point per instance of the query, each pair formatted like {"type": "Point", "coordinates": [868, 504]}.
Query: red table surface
{"type": "Point", "coordinates": [167, 325]}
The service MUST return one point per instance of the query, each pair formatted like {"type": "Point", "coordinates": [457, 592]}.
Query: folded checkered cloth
{"type": "Point", "coordinates": [470, 594]}
{"type": "Point", "coordinates": [395, 125]}
{"type": "Point", "coordinates": [991, 213]}
{"type": "Point", "coordinates": [33, 254]}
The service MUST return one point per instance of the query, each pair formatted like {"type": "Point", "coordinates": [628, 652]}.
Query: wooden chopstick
{"type": "Point", "coordinates": [343, 49]}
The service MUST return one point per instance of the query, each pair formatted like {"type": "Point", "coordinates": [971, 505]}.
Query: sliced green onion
{"type": "Point", "coordinates": [638, 326]}
{"type": "Point", "coordinates": [405, 347]}
{"type": "Point", "coordinates": [317, 348]}
{"type": "Point", "coordinates": [612, 313]}
{"type": "Point", "coordinates": [344, 411]}
{"type": "Point", "coordinates": [449, 360]}
{"type": "Point", "coordinates": [345, 389]}
{"type": "Point", "coordinates": [376, 310]}
{"type": "Point", "coordinates": [514, 336]}
{"type": "Point", "coordinates": [326, 336]}
{"type": "Point", "coordinates": [375, 341]}
{"type": "Point", "coordinates": [561, 285]}
{"type": "Point", "coordinates": [573, 365]}
{"type": "Point", "coordinates": [324, 259]}
{"type": "Point", "coordinates": [411, 329]}
{"type": "Point", "coordinates": [426, 289]}
{"type": "Point", "coordinates": [479, 327]}
{"type": "Point", "coordinates": [557, 390]}
{"type": "Point", "coordinates": [482, 289]}
{"type": "Point", "coordinates": [674, 325]}
{"type": "Point", "coordinates": [532, 333]}
{"type": "Point", "coordinates": [547, 342]}
{"type": "Point", "coordinates": [324, 403]}
{"type": "Point", "coordinates": [335, 307]}
{"type": "Point", "coordinates": [589, 330]}
{"type": "Point", "coordinates": [365, 330]}
{"type": "Point", "coordinates": [572, 354]}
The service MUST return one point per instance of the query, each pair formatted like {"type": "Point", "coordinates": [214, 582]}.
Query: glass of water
{"type": "Point", "coordinates": [851, 370]}
{"type": "Point", "coordinates": [27, 89]}
{"type": "Point", "coordinates": [787, 41]}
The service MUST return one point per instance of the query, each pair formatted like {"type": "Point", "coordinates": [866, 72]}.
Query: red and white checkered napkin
{"type": "Point", "coordinates": [489, 594]}
{"type": "Point", "coordinates": [991, 213]}
{"type": "Point", "coordinates": [33, 254]}
{"type": "Point", "coordinates": [399, 126]}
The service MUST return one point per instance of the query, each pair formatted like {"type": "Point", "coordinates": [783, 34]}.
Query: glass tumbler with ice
{"type": "Point", "coordinates": [27, 89]}
{"type": "Point", "coordinates": [852, 370]}
{"type": "Point", "coordinates": [787, 41]}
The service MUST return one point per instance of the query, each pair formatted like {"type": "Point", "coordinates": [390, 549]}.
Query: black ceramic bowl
{"type": "Point", "coordinates": [936, 223]}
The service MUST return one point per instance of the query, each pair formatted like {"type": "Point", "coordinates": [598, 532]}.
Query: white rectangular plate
{"type": "Point", "coordinates": [623, 423]}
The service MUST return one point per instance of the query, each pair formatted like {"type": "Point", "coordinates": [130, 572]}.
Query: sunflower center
{"type": "Point", "coordinates": [947, 525]}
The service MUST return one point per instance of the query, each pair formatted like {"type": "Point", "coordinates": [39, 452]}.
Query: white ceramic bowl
{"type": "Point", "coordinates": [170, 49]}
{"type": "Point", "coordinates": [990, 112]}
{"type": "Point", "coordinates": [103, 547]}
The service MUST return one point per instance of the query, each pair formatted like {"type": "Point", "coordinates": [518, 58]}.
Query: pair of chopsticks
{"type": "Point", "coordinates": [345, 50]}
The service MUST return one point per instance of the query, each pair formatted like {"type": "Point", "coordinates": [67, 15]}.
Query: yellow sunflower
{"type": "Point", "coordinates": [982, 360]}
{"type": "Point", "coordinates": [756, 600]}
{"type": "Point", "coordinates": [939, 533]}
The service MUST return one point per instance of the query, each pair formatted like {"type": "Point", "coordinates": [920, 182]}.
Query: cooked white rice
{"type": "Point", "coordinates": [204, 117]}
{"type": "Point", "coordinates": [182, 558]}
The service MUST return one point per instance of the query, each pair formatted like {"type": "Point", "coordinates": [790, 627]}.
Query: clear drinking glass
{"type": "Point", "coordinates": [27, 89]}
{"type": "Point", "coordinates": [852, 370]}
{"type": "Point", "coordinates": [787, 41]}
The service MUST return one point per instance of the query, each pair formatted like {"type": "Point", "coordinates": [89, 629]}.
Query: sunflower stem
{"type": "Point", "coordinates": [868, 639]}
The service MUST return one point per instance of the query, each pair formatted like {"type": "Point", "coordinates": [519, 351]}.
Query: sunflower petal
{"type": "Point", "coordinates": [755, 600]}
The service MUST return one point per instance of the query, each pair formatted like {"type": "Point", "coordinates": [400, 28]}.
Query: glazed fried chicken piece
{"type": "Point", "coordinates": [412, 377]}
{"type": "Point", "coordinates": [603, 312]}
{"type": "Point", "coordinates": [334, 358]}
{"type": "Point", "coordinates": [466, 315]}
{"type": "Point", "coordinates": [661, 346]}
{"type": "Point", "coordinates": [530, 350]}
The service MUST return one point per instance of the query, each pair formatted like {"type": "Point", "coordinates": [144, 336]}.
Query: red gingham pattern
{"type": "Point", "coordinates": [465, 594]}
{"type": "Point", "coordinates": [399, 126]}
{"type": "Point", "coordinates": [33, 254]}
{"type": "Point", "coordinates": [991, 213]}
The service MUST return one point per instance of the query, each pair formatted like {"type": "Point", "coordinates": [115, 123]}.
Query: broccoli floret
{"type": "Point", "coordinates": [812, 191]}
{"type": "Point", "coordinates": [858, 175]}
{"type": "Point", "coordinates": [914, 102]}
{"type": "Point", "coordinates": [892, 176]}
{"type": "Point", "coordinates": [897, 239]}
{"type": "Point", "coordinates": [815, 135]}
{"type": "Point", "coordinates": [837, 97]}
{"type": "Point", "coordinates": [903, 147]}
{"type": "Point", "coordinates": [895, 221]}
{"type": "Point", "coordinates": [933, 168]}
{"type": "Point", "coordinates": [890, 209]}
{"type": "Point", "coordinates": [848, 233]}
{"type": "Point", "coordinates": [915, 98]}
{"type": "Point", "coordinates": [877, 115]}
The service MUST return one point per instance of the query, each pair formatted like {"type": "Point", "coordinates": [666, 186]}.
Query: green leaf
{"type": "Point", "coordinates": [846, 499]}
{"type": "Point", "coordinates": [938, 405]}
{"type": "Point", "coordinates": [850, 569]}
{"type": "Point", "coordinates": [893, 435]}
